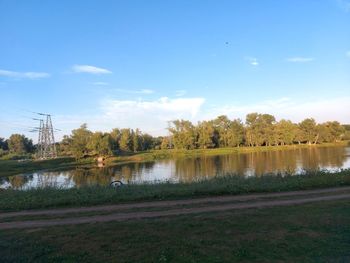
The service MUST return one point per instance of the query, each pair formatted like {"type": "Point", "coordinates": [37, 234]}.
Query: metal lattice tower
{"type": "Point", "coordinates": [40, 144]}
{"type": "Point", "coordinates": [46, 138]}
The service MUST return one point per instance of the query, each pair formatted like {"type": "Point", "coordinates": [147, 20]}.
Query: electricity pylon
{"type": "Point", "coordinates": [46, 138]}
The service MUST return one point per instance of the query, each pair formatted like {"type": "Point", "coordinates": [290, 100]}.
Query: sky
{"type": "Point", "coordinates": [144, 63]}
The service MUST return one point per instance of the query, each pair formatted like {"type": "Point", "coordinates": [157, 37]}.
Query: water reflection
{"type": "Point", "coordinates": [190, 169]}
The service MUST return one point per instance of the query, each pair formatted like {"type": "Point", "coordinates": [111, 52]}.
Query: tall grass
{"type": "Point", "coordinates": [221, 185]}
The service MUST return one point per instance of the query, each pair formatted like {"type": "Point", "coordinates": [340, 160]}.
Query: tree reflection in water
{"type": "Point", "coordinates": [190, 169]}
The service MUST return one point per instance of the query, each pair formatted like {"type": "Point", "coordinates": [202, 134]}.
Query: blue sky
{"type": "Point", "coordinates": [143, 63]}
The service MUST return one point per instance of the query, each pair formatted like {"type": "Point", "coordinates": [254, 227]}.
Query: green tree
{"type": "Point", "coordinates": [148, 142]}
{"type": "Point", "coordinates": [285, 132]}
{"type": "Point", "coordinates": [235, 133]}
{"type": "Point", "coordinates": [222, 125]}
{"type": "Point", "coordinates": [184, 135]}
{"type": "Point", "coordinates": [79, 141]}
{"type": "Point", "coordinates": [346, 135]}
{"type": "Point", "coordinates": [267, 122]}
{"type": "Point", "coordinates": [331, 131]}
{"type": "Point", "coordinates": [136, 140]}
{"type": "Point", "coordinates": [260, 129]}
{"type": "Point", "coordinates": [165, 143]}
{"type": "Point", "coordinates": [309, 130]}
{"type": "Point", "coordinates": [3, 144]}
{"type": "Point", "coordinates": [115, 137]}
{"type": "Point", "coordinates": [64, 147]}
{"type": "Point", "coordinates": [19, 144]}
{"type": "Point", "coordinates": [252, 130]}
{"type": "Point", "coordinates": [337, 130]}
{"type": "Point", "coordinates": [100, 144]}
{"type": "Point", "coordinates": [126, 142]}
{"type": "Point", "coordinates": [205, 131]}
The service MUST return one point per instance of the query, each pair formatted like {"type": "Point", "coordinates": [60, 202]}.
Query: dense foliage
{"type": "Point", "coordinates": [258, 130]}
{"type": "Point", "coordinates": [17, 145]}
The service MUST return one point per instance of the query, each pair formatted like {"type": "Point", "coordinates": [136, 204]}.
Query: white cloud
{"type": "Point", "coordinates": [180, 92]}
{"type": "Point", "coordinates": [90, 69]}
{"type": "Point", "coordinates": [300, 59]}
{"type": "Point", "coordinates": [141, 91]}
{"type": "Point", "coordinates": [163, 108]}
{"type": "Point", "coordinates": [252, 61]}
{"type": "Point", "coordinates": [23, 75]}
{"type": "Point", "coordinates": [150, 116]}
{"type": "Point", "coordinates": [295, 110]}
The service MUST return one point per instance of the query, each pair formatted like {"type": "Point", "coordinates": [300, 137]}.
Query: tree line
{"type": "Point", "coordinates": [16, 144]}
{"type": "Point", "coordinates": [83, 142]}
{"type": "Point", "coordinates": [257, 130]}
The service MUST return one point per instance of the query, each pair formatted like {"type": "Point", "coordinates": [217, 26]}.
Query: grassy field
{"type": "Point", "coordinates": [14, 167]}
{"type": "Point", "coordinates": [224, 185]}
{"type": "Point", "coordinates": [318, 232]}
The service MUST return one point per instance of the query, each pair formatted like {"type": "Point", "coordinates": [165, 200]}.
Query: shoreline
{"type": "Point", "coordinates": [13, 167]}
{"type": "Point", "coordinates": [229, 184]}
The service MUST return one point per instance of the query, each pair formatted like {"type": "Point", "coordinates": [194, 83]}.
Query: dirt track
{"type": "Point", "coordinates": [171, 208]}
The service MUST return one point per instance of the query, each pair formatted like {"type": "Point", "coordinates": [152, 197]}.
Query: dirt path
{"type": "Point", "coordinates": [168, 212]}
{"type": "Point", "coordinates": [167, 204]}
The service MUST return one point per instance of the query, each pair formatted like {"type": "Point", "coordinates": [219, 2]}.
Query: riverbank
{"type": "Point", "coordinates": [14, 167]}
{"type": "Point", "coordinates": [12, 200]}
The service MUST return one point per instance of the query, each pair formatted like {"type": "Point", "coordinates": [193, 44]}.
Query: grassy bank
{"type": "Point", "coordinates": [316, 232]}
{"type": "Point", "coordinates": [225, 185]}
{"type": "Point", "coordinates": [14, 167]}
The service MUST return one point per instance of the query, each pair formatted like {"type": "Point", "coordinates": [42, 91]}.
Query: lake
{"type": "Point", "coordinates": [190, 169]}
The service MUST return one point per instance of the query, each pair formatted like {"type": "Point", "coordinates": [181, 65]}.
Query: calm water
{"type": "Point", "coordinates": [190, 169]}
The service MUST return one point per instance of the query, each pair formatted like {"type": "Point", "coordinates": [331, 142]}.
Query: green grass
{"type": "Point", "coordinates": [318, 232]}
{"type": "Point", "coordinates": [14, 167]}
{"type": "Point", "coordinates": [221, 185]}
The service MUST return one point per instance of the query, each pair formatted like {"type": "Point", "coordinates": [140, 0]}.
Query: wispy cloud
{"type": "Point", "coordinates": [300, 59]}
{"type": "Point", "coordinates": [252, 61]}
{"type": "Point", "coordinates": [90, 69]}
{"type": "Point", "coordinates": [180, 92]}
{"type": "Point", "coordinates": [141, 91]}
{"type": "Point", "coordinates": [100, 83]}
{"type": "Point", "coordinates": [23, 75]}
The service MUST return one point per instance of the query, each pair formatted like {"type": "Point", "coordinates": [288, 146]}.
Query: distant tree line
{"type": "Point", "coordinates": [16, 145]}
{"type": "Point", "coordinates": [258, 130]}
{"type": "Point", "coordinates": [83, 142]}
